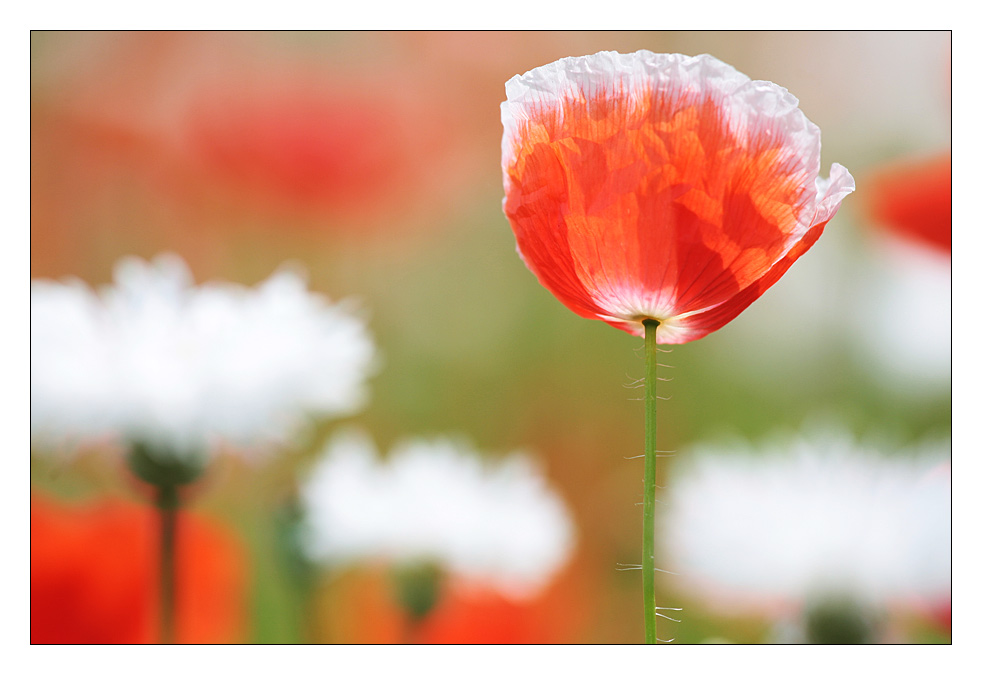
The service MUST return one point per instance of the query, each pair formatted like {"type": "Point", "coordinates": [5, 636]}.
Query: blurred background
{"type": "Point", "coordinates": [373, 159]}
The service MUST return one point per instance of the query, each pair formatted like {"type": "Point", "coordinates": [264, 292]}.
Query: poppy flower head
{"type": "Point", "coordinates": [95, 575]}
{"type": "Point", "coordinates": [660, 186]}
{"type": "Point", "coordinates": [913, 199]}
{"type": "Point", "coordinates": [301, 148]}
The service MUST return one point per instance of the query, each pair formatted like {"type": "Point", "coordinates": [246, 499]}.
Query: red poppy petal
{"type": "Point", "coordinates": [701, 324]}
{"type": "Point", "coordinates": [94, 576]}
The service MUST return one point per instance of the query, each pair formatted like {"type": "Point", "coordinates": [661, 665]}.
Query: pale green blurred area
{"type": "Point", "coordinates": [470, 343]}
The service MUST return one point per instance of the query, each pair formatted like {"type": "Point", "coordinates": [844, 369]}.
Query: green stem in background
{"type": "Point", "coordinates": [300, 569]}
{"type": "Point", "coordinates": [166, 471]}
{"type": "Point", "coordinates": [648, 517]}
{"type": "Point", "coordinates": [418, 587]}
{"type": "Point", "coordinates": [167, 504]}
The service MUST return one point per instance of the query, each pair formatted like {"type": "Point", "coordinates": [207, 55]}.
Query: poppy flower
{"type": "Point", "coordinates": [914, 200]}
{"type": "Point", "coordinates": [301, 149]}
{"type": "Point", "coordinates": [206, 134]}
{"type": "Point", "coordinates": [94, 575]}
{"type": "Point", "coordinates": [478, 615]}
{"type": "Point", "coordinates": [660, 186]}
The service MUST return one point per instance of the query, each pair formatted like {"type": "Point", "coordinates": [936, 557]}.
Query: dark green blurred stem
{"type": "Point", "coordinates": [418, 587]}
{"type": "Point", "coordinates": [167, 504]}
{"type": "Point", "coordinates": [299, 568]}
{"type": "Point", "coordinates": [166, 471]}
{"type": "Point", "coordinates": [838, 620]}
{"type": "Point", "coordinates": [648, 517]}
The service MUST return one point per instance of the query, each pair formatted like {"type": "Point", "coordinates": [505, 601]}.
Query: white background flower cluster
{"type": "Point", "coordinates": [157, 359]}
{"type": "Point", "coordinates": [437, 500]}
{"type": "Point", "coordinates": [808, 516]}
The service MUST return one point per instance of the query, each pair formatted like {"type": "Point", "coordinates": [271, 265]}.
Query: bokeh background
{"type": "Point", "coordinates": [373, 158]}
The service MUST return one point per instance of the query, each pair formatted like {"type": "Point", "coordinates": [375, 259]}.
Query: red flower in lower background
{"type": "Point", "coordinates": [362, 608]}
{"type": "Point", "coordinates": [94, 575]}
{"type": "Point", "coordinates": [913, 198]}
{"type": "Point", "coordinates": [941, 615]}
{"type": "Point", "coordinates": [475, 615]}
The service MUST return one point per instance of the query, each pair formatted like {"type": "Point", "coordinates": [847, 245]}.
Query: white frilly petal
{"type": "Point", "coordinates": [831, 191]}
{"type": "Point", "coordinates": [814, 515]}
{"type": "Point", "coordinates": [157, 359]}
{"type": "Point", "coordinates": [497, 523]}
{"type": "Point", "coordinates": [670, 77]}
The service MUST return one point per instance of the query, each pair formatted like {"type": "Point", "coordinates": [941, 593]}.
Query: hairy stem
{"type": "Point", "coordinates": [648, 517]}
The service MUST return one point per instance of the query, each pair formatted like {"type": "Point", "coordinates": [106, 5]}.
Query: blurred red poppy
{"type": "Point", "coordinates": [202, 130]}
{"type": "Point", "coordinates": [660, 186]}
{"type": "Point", "coordinates": [474, 615]}
{"type": "Point", "coordinates": [305, 147]}
{"type": "Point", "coordinates": [362, 609]}
{"type": "Point", "coordinates": [913, 199]}
{"type": "Point", "coordinates": [940, 613]}
{"type": "Point", "coordinates": [94, 572]}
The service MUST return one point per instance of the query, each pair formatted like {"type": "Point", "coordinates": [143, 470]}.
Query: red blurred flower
{"type": "Point", "coordinates": [299, 146]}
{"type": "Point", "coordinates": [941, 615]}
{"type": "Point", "coordinates": [315, 144]}
{"type": "Point", "coordinates": [660, 186]}
{"type": "Point", "coordinates": [475, 615]}
{"type": "Point", "coordinates": [205, 130]}
{"type": "Point", "coordinates": [364, 609]}
{"type": "Point", "coordinates": [94, 575]}
{"type": "Point", "coordinates": [913, 199]}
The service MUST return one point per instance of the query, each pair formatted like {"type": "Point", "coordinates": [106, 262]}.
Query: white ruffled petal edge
{"type": "Point", "coordinates": [673, 75]}
{"type": "Point", "coordinates": [831, 192]}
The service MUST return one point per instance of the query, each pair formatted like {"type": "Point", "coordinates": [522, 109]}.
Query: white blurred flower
{"type": "Point", "coordinates": [901, 312]}
{"type": "Point", "coordinates": [810, 518]}
{"type": "Point", "coordinates": [157, 360]}
{"type": "Point", "coordinates": [437, 501]}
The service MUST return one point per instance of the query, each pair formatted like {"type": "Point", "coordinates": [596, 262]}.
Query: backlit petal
{"type": "Point", "coordinates": [654, 185]}
{"type": "Point", "coordinates": [695, 326]}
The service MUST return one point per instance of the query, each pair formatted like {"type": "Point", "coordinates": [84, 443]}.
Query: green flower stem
{"type": "Point", "coordinates": [167, 504]}
{"type": "Point", "coordinates": [648, 517]}
{"type": "Point", "coordinates": [418, 587]}
{"type": "Point", "coordinates": [166, 471]}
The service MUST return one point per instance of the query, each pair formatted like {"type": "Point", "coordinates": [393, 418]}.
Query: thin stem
{"type": "Point", "coordinates": [167, 506]}
{"type": "Point", "coordinates": [648, 517]}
